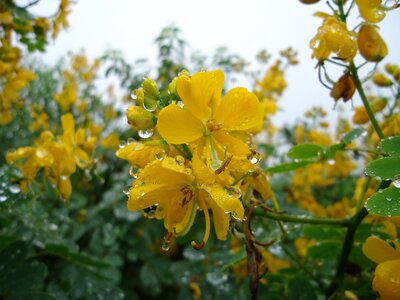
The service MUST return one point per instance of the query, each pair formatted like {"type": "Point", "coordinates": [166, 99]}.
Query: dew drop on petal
{"type": "Point", "coordinates": [145, 134]}
{"type": "Point", "coordinates": [130, 140]}
{"type": "Point", "coordinates": [133, 95]}
{"type": "Point", "coordinates": [122, 144]}
{"type": "Point", "coordinates": [160, 154]}
{"type": "Point", "coordinates": [126, 190]}
{"type": "Point", "coordinates": [234, 191]}
{"type": "Point", "coordinates": [254, 157]}
{"type": "Point", "coordinates": [180, 159]}
{"type": "Point", "coordinates": [165, 246]}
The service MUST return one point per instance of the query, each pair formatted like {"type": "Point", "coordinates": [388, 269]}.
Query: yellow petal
{"type": "Point", "coordinates": [387, 280]}
{"type": "Point", "coordinates": [64, 187]}
{"type": "Point", "coordinates": [81, 158]}
{"type": "Point", "coordinates": [204, 174]}
{"type": "Point", "coordinates": [228, 203]}
{"type": "Point", "coordinates": [233, 145]}
{"type": "Point", "coordinates": [145, 196]}
{"type": "Point", "coordinates": [200, 92]}
{"type": "Point", "coordinates": [68, 123]}
{"type": "Point", "coordinates": [239, 110]}
{"type": "Point", "coordinates": [167, 171]}
{"type": "Point", "coordinates": [22, 152]}
{"type": "Point", "coordinates": [178, 126]}
{"type": "Point", "coordinates": [221, 218]}
{"type": "Point", "coordinates": [378, 250]}
{"type": "Point", "coordinates": [179, 218]}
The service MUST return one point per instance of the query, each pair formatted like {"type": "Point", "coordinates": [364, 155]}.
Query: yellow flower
{"type": "Point", "coordinates": [387, 276]}
{"type": "Point", "coordinates": [207, 120]}
{"type": "Point", "coordinates": [177, 192]}
{"type": "Point", "coordinates": [333, 36]}
{"type": "Point", "coordinates": [371, 10]}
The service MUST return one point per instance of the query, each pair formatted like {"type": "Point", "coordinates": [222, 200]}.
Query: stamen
{"type": "Point", "coordinates": [207, 230]}
{"type": "Point", "coordinates": [224, 164]}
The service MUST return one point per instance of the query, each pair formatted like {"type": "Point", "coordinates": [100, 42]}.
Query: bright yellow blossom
{"type": "Point", "coordinates": [208, 121]}
{"type": "Point", "coordinates": [333, 37]}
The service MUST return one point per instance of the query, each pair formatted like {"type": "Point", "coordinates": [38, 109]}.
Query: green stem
{"type": "Point", "coordinates": [303, 220]}
{"type": "Point", "coordinates": [364, 190]}
{"type": "Point", "coordinates": [367, 107]}
{"type": "Point", "coordinates": [337, 283]}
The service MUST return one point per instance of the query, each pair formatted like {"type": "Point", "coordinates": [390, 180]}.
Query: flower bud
{"type": "Point", "coordinates": [379, 104]}
{"type": "Point", "coordinates": [140, 118]}
{"type": "Point", "coordinates": [150, 87]}
{"type": "Point", "coordinates": [381, 80]}
{"type": "Point", "coordinates": [344, 88]}
{"type": "Point", "coordinates": [372, 46]}
{"type": "Point", "coordinates": [390, 68]}
{"type": "Point", "coordinates": [139, 94]}
{"type": "Point", "coordinates": [360, 115]}
{"type": "Point", "coordinates": [396, 74]}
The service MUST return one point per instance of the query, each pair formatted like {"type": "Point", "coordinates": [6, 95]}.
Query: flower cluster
{"type": "Point", "coordinates": [199, 156]}
{"type": "Point", "coordinates": [58, 156]}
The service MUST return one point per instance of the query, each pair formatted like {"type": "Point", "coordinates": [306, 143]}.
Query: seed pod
{"type": "Point", "coordinates": [344, 88]}
{"type": "Point", "coordinates": [381, 80]}
{"type": "Point", "coordinates": [379, 104]}
{"type": "Point", "coordinates": [372, 46]}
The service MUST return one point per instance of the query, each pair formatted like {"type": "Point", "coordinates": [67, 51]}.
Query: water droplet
{"type": "Point", "coordinates": [122, 144]}
{"type": "Point", "coordinates": [165, 246]}
{"type": "Point", "coordinates": [142, 194]}
{"type": "Point", "coordinates": [254, 157]}
{"type": "Point", "coordinates": [145, 134]}
{"type": "Point", "coordinates": [64, 177]}
{"type": "Point", "coordinates": [180, 159]}
{"type": "Point", "coordinates": [364, 133]}
{"type": "Point", "coordinates": [3, 198]}
{"type": "Point", "coordinates": [233, 191]}
{"type": "Point", "coordinates": [331, 162]}
{"type": "Point", "coordinates": [15, 189]}
{"type": "Point", "coordinates": [396, 182]}
{"type": "Point", "coordinates": [41, 153]}
{"type": "Point", "coordinates": [133, 95]}
{"type": "Point", "coordinates": [126, 190]}
{"type": "Point", "coordinates": [130, 140]}
{"type": "Point", "coordinates": [389, 199]}
{"type": "Point", "coordinates": [133, 171]}
{"type": "Point", "coordinates": [181, 104]}
{"type": "Point", "coordinates": [160, 154]}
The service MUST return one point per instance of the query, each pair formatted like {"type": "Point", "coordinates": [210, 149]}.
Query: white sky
{"type": "Point", "coordinates": [245, 27]}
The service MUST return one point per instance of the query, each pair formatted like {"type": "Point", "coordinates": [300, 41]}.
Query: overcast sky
{"type": "Point", "coordinates": [244, 27]}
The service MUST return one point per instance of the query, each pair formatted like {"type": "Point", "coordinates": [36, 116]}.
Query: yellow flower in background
{"type": "Point", "coordinates": [387, 276]}
{"type": "Point", "coordinates": [333, 37]}
{"type": "Point", "coordinates": [371, 10]}
{"type": "Point", "coordinates": [208, 121]}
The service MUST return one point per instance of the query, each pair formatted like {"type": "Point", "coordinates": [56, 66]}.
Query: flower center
{"type": "Point", "coordinates": [212, 125]}
{"type": "Point", "coordinates": [187, 195]}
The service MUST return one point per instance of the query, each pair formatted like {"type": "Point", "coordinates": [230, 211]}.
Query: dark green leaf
{"type": "Point", "coordinates": [305, 151]}
{"type": "Point", "coordinates": [286, 167]}
{"type": "Point", "coordinates": [353, 134]}
{"type": "Point", "coordinates": [384, 202]}
{"type": "Point", "coordinates": [390, 146]}
{"type": "Point", "coordinates": [301, 289]}
{"type": "Point", "coordinates": [320, 232]}
{"type": "Point", "coordinates": [386, 168]}
{"type": "Point", "coordinates": [324, 251]}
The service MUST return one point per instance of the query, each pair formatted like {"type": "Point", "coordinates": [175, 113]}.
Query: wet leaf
{"type": "Point", "coordinates": [384, 202]}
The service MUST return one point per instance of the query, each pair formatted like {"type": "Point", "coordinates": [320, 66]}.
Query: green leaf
{"type": "Point", "coordinates": [353, 134]}
{"type": "Point", "coordinates": [17, 274]}
{"type": "Point", "coordinates": [384, 202]}
{"type": "Point", "coordinates": [390, 146]}
{"type": "Point", "coordinates": [330, 152]}
{"type": "Point", "coordinates": [320, 232]}
{"type": "Point", "coordinates": [286, 167]}
{"type": "Point", "coordinates": [386, 168]}
{"type": "Point", "coordinates": [305, 151]}
{"type": "Point", "coordinates": [324, 251]}
{"type": "Point", "coordinates": [301, 289]}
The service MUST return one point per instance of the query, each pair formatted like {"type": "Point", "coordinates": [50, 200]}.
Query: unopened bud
{"type": "Point", "coordinates": [372, 46]}
{"type": "Point", "coordinates": [150, 87]}
{"type": "Point", "coordinates": [360, 115]}
{"type": "Point", "coordinates": [390, 68]}
{"type": "Point", "coordinates": [344, 88]}
{"type": "Point", "coordinates": [140, 118]}
{"type": "Point", "coordinates": [172, 87]}
{"type": "Point", "coordinates": [381, 80]}
{"type": "Point", "coordinates": [379, 104]}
